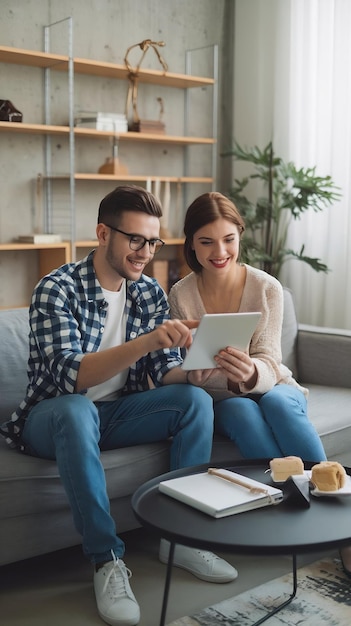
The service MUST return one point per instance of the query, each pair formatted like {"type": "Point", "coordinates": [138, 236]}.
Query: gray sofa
{"type": "Point", "coordinates": [34, 514]}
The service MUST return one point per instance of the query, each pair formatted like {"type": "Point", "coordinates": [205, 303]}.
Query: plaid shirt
{"type": "Point", "coordinates": [67, 316]}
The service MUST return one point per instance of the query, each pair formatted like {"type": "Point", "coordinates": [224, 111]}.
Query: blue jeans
{"type": "Point", "coordinates": [270, 425]}
{"type": "Point", "coordinates": [73, 430]}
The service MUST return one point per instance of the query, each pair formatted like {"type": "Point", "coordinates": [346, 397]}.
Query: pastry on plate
{"type": "Point", "coordinates": [328, 476]}
{"type": "Point", "coordinates": [283, 468]}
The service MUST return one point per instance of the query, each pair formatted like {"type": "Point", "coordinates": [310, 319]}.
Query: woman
{"type": "Point", "coordinates": [257, 402]}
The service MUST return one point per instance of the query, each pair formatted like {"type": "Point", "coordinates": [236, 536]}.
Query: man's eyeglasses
{"type": "Point", "coordinates": [137, 242]}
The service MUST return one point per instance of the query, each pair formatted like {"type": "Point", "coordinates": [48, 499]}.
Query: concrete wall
{"type": "Point", "coordinates": [254, 70]}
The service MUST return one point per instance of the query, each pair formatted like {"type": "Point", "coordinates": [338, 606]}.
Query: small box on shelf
{"type": "Point", "coordinates": [148, 126]}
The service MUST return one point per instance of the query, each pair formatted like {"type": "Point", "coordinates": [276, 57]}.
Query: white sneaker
{"type": "Point", "coordinates": [203, 564]}
{"type": "Point", "coordinates": [115, 600]}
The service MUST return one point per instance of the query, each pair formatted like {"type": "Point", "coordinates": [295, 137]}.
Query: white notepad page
{"type": "Point", "coordinates": [218, 497]}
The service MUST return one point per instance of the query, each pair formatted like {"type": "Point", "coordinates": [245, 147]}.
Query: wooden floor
{"type": "Point", "coordinates": [56, 589]}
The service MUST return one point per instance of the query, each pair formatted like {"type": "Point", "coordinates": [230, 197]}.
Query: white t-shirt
{"type": "Point", "coordinates": [114, 335]}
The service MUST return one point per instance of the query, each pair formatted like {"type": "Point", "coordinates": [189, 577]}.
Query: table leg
{"type": "Point", "coordinates": [167, 583]}
{"type": "Point", "coordinates": [257, 623]}
{"type": "Point", "coordinates": [286, 602]}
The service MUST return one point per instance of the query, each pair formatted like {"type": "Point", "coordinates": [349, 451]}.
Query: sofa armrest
{"type": "Point", "coordinates": [324, 356]}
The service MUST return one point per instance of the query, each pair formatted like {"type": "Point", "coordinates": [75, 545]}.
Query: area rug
{"type": "Point", "coordinates": [323, 598]}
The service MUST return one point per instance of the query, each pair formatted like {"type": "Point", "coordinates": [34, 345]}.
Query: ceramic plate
{"type": "Point", "coordinates": [344, 491]}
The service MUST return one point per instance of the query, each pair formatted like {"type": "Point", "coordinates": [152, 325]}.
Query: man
{"type": "Point", "coordinates": [99, 331]}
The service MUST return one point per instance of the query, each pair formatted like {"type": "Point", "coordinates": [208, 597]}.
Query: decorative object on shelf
{"type": "Point", "coordinates": [150, 126]}
{"type": "Point", "coordinates": [9, 113]}
{"type": "Point", "coordinates": [112, 122]}
{"type": "Point", "coordinates": [113, 164]}
{"type": "Point", "coordinates": [155, 187]}
{"type": "Point", "coordinates": [138, 125]}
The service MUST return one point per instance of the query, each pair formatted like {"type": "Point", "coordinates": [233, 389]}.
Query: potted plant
{"type": "Point", "coordinates": [288, 192]}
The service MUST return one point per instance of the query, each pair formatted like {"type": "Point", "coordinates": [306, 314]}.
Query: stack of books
{"type": "Point", "coordinates": [113, 122]}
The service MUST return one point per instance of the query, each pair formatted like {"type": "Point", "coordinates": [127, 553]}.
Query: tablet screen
{"type": "Point", "coordinates": [217, 331]}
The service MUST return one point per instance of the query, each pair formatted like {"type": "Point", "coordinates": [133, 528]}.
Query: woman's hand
{"type": "Point", "coordinates": [237, 366]}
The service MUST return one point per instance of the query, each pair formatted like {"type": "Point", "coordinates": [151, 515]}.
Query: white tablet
{"type": "Point", "coordinates": [217, 331]}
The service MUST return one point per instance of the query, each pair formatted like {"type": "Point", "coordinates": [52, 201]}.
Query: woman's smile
{"type": "Point", "coordinates": [220, 262]}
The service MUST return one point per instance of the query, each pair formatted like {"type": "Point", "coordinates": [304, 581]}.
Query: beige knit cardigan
{"type": "Point", "coordinates": [262, 292]}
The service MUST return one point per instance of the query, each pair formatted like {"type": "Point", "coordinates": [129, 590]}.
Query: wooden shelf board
{"type": "Point", "coordinates": [14, 306]}
{"type": "Point", "coordinates": [154, 77]}
{"type": "Point", "coordinates": [91, 133]}
{"type": "Point", "coordinates": [174, 241]}
{"type": "Point", "coordinates": [135, 177]}
{"type": "Point", "coordinates": [86, 243]}
{"type": "Point", "coordinates": [34, 129]}
{"type": "Point", "coordinates": [91, 243]}
{"type": "Point", "coordinates": [64, 245]}
{"type": "Point", "coordinates": [60, 62]}
{"type": "Point", "coordinates": [143, 137]}
{"type": "Point", "coordinates": [33, 58]}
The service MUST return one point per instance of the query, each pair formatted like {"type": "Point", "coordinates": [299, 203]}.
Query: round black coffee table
{"type": "Point", "coordinates": [287, 528]}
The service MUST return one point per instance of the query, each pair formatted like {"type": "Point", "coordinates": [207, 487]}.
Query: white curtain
{"type": "Point", "coordinates": [312, 126]}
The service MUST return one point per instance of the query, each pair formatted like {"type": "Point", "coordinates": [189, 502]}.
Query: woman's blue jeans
{"type": "Point", "coordinates": [73, 430]}
{"type": "Point", "coordinates": [271, 425]}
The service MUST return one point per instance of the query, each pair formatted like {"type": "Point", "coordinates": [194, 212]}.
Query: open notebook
{"type": "Point", "coordinates": [218, 496]}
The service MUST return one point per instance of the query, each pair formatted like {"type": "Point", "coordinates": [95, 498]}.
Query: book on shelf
{"type": "Point", "coordinates": [113, 122]}
{"type": "Point", "coordinates": [221, 493]}
{"type": "Point", "coordinates": [39, 238]}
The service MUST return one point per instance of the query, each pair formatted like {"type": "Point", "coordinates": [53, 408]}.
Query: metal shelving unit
{"type": "Point", "coordinates": [50, 62]}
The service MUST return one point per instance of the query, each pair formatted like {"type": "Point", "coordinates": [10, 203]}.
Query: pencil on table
{"type": "Point", "coordinates": [236, 481]}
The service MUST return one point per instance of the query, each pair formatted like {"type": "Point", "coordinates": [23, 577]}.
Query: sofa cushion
{"type": "Point", "coordinates": [37, 484]}
{"type": "Point", "coordinates": [289, 333]}
{"type": "Point", "coordinates": [329, 409]}
{"type": "Point", "coordinates": [13, 368]}
{"type": "Point", "coordinates": [324, 356]}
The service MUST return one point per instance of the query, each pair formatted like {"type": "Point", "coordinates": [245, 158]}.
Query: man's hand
{"type": "Point", "coordinates": [96, 367]}
{"type": "Point", "coordinates": [173, 334]}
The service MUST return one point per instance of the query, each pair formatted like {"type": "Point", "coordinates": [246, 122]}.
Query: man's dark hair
{"type": "Point", "coordinates": [127, 198]}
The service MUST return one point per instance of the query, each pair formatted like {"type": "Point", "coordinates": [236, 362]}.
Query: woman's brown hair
{"type": "Point", "coordinates": [204, 210]}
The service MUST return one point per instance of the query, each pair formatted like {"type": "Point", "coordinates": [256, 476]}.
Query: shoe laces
{"type": "Point", "coordinates": [207, 556]}
{"type": "Point", "coordinates": [117, 579]}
